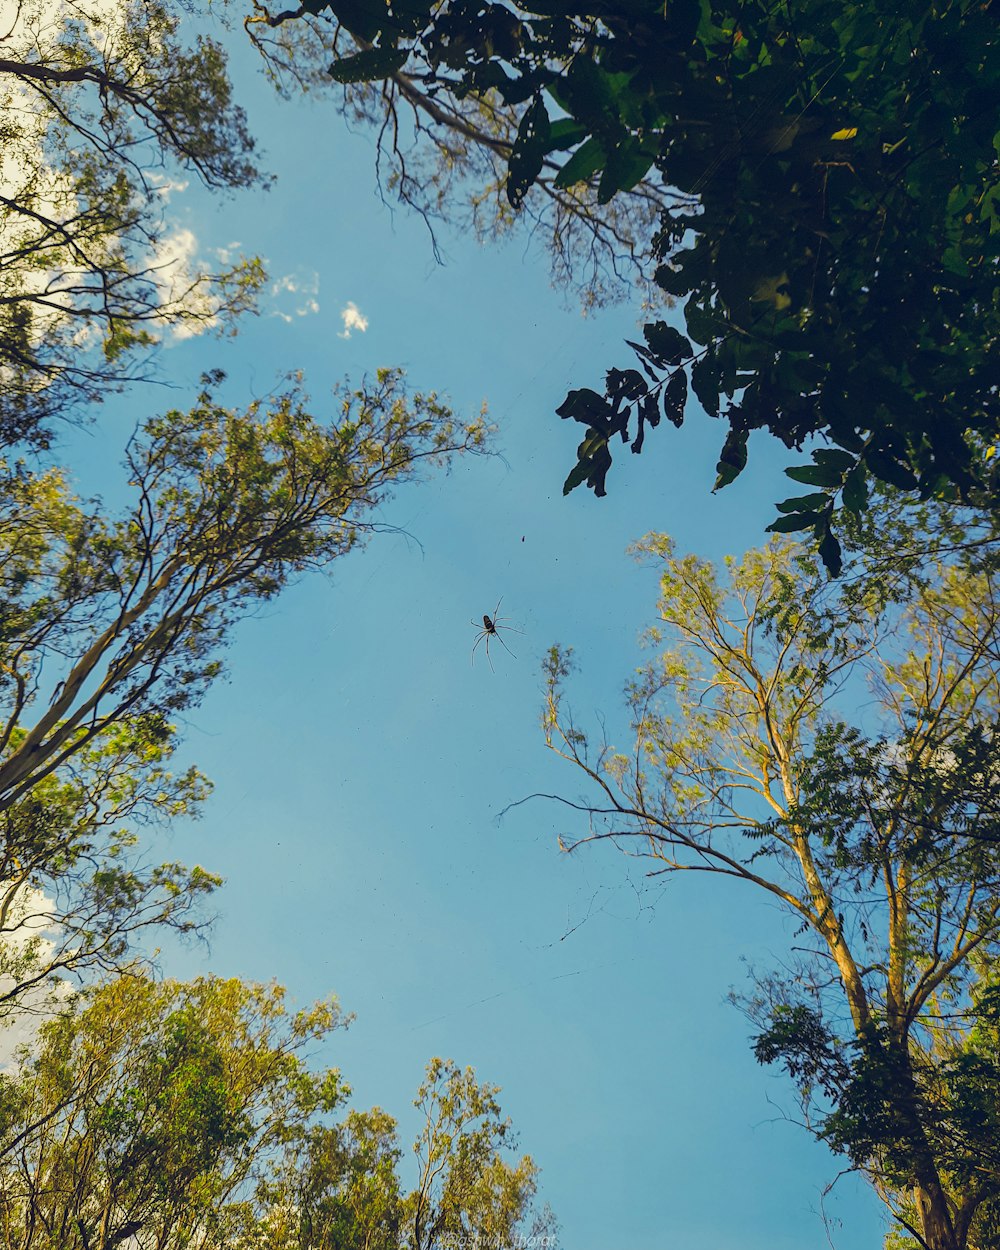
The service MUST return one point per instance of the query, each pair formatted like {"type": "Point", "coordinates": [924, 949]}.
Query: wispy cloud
{"type": "Point", "coordinates": [177, 271]}
{"type": "Point", "coordinates": [166, 187]}
{"type": "Point", "coordinates": [229, 253]}
{"type": "Point", "coordinates": [353, 319]}
{"type": "Point", "coordinates": [306, 287]}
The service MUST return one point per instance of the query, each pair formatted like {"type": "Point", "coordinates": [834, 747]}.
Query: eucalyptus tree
{"type": "Point", "coordinates": [834, 745]}
{"type": "Point", "coordinates": [111, 625]}
{"type": "Point", "coordinates": [189, 1116]}
{"type": "Point", "coordinates": [148, 1109]}
{"type": "Point", "coordinates": [106, 108]}
{"type": "Point", "coordinates": [343, 1184]}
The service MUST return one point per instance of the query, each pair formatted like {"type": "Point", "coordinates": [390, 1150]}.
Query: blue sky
{"type": "Point", "coordinates": [361, 761]}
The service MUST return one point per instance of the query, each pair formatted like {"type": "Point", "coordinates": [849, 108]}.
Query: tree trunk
{"type": "Point", "coordinates": [937, 1226]}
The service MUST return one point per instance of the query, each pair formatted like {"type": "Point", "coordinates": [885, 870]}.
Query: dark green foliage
{"type": "Point", "coordinates": [835, 229]}
{"type": "Point", "coordinates": [801, 1042]}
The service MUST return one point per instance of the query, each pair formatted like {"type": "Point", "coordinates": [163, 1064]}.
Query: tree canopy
{"type": "Point", "coordinates": [817, 186]}
{"type": "Point", "coordinates": [828, 177]}
{"type": "Point", "coordinates": [111, 626]}
{"type": "Point", "coordinates": [187, 1116]}
{"type": "Point", "coordinates": [149, 1112]}
{"type": "Point", "coordinates": [445, 155]}
{"type": "Point", "coordinates": [835, 745]}
{"type": "Point", "coordinates": [105, 111]}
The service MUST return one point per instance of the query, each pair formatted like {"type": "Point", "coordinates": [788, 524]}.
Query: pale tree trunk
{"type": "Point", "coordinates": [937, 1226]}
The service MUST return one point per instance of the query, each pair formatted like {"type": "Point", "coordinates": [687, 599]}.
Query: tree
{"type": "Point", "coordinates": [336, 1185]}
{"type": "Point", "coordinates": [339, 1185]}
{"type": "Point", "coordinates": [877, 830]}
{"type": "Point", "coordinates": [446, 155]}
{"type": "Point", "coordinates": [831, 213]}
{"type": "Point", "coordinates": [185, 1117]}
{"type": "Point", "coordinates": [77, 890]}
{"type": "Point", "coordinates": [148, 1110]}
{"type": "Point", "coordinates": [111, 626]}
{"type": "Point", "coordinates": [466, 1193]}
{"type": "Point", "coordinates": [104, 109]}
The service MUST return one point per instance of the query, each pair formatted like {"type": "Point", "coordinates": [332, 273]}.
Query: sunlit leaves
{"type": "Point", "coordinates": [102, 118]}
{"type": "Point", "coordinates": [155, 1107]}
{"type": "Point", "coordinates": [745, 756]}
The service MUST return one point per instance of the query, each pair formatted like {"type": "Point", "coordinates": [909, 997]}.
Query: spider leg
{"type": "Point", "coordinates": [482, 634]}
{"type": "Point", "coordinates": [504, 645]}
{"type": "Point", "coordinates": [488, 632]}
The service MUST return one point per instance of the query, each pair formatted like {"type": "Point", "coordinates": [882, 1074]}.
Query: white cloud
{"type": "Point", "coordinates": [353, 319]}
{"type": "Point", "coordinates": [175, 252]}
{"type": "Point", "coordinates": [177, 273]}
{"type": "Point", "coordinates": [169, 278]}
{"type": "Point", "coordinates": [26, 946]}
{"type": "Point", "coordinates": [165, 187]}
{"type": "Point", "coordinates": [228, 253]}
{"type": "Point", "coordinates": [306, 287]}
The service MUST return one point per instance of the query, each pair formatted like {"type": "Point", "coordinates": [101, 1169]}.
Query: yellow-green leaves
{"type": "Point", "coordinates": [110, 626]}
{"type": "Point", "coordinates": [834, 745]}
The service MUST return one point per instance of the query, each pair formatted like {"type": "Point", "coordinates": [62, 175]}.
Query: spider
{"type": "Point", "coordinates": [491, 629]}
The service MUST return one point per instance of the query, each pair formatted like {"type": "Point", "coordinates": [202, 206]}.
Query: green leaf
{"type": "Point", "coordinates": [577, 476]}
{"type": "Point", "coordinates": [815, 474]}
{"type": "Point", "coordinates": [732, 458]}
{"type": "Point", "coordinates": [888, 469]}
{"type": "Point", "coordinates": [705, 384]}
{"type": "Point", "coordinates": [675, 395]}
{"type": "Point", "coordinates": [362, 19]}
{"type": "Point", "coordinates": [586, 406]}
{"type": "Point", "coordinates": [703, 324]}
{"type": "Point", "coordinates": [829, 552]}
{"type": "Point", "coordinates": [368, 66]}
{"type": "Point", "coordinates": [804, 503]}
{"type": "Point", "coordinates": [627, 382]}
{"type": "Point", "coordinates": [672, 279]}
{"type": "Point", "coordinates": [566, 133]}
{"type": "Point", "coordinates": [835, 458]}
{"type": "Point", "coordinates": [583, 164]}
{"type": "Point", "coordinates": [797, 521]}
{"type": "Point", "coordinates": [586, 93]}
{"type": "Point", "coordinates": [530, 148]}
{"type": "Point", "coordinates": [855, 494]}
{"type": "Point", "coordinates": [593, 462]}
{"type": "Point", "coordinates": [667, 343]}
{"type": "Point", "coordinates": [626, 166]}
